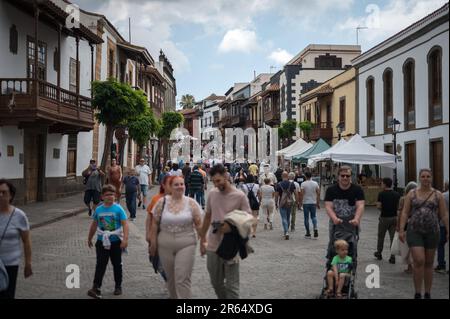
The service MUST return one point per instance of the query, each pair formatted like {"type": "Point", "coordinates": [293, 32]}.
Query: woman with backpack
{"type": "Point", "coordinates": [251, 189]}
{"type": "Point", "coordinates": [424, 206]}
{"type": "Point", "coordinates": [284, 200]}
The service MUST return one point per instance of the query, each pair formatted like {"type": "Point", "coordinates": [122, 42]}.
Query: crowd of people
{"type": "Point", "coordinates": [179, 219]}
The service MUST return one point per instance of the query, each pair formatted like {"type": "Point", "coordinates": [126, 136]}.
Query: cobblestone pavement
{"type": "Point", "coordinates": [278, 269]}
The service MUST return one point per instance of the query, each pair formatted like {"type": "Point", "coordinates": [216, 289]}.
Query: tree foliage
{"type": "Point", "coordinates": [168, 122]}
{"type": "Point", "coordinates": [187, 101]}
{"type": "Point", "coordinates": [306, 128]}
{"type": "Point", "coordinates": [142, 127]}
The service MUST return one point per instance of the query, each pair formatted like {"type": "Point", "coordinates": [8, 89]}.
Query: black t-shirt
{"type": "Point", "coordinates": [300, 179]}
{"type": "Point", "coordinates": [344, 201]}
{"type": "Point", "coordinates": [286, 185]}
{"type": "Point", "coordinates": [389, 203]}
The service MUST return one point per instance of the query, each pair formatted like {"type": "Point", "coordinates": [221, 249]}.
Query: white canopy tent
{"type": "Point", "coordinates": [297, 151]}
{"type": "Point", "coordinates": [325, 155]}
{"type": "Point", "coordinates": [358, 151]}
{"type": "Point", "coordinates": [297, 145]}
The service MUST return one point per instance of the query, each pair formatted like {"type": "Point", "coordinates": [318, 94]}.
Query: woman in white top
{"type": "Point", "coordinates": [14, 231]}
{"type": "Point", "coordinates": [266, 198]}
{"type": "Point", "coordinates": [176, 216]}
{"type": "Point", "coordinates": [251, 186]}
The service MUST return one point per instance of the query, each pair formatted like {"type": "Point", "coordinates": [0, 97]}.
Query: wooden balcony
{"type": "Point", "coordinates": [238, 121]}
{"type": "Point", "coordinates": [33, 102]}
{"type": "Point", "coordinates": [225, 122]}
{"type": "Point", "coordinates": [323, 130]}
{"type": "Point", "coordinates": [272, 117]}
{"type": "Point", "coordinates": [251, 123]}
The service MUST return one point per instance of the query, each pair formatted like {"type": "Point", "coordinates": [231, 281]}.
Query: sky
{"type": "Point", "coordinates": [213, 44]}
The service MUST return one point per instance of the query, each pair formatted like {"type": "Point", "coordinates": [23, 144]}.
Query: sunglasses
{"type": "Point", "coordinates": [345, 176]}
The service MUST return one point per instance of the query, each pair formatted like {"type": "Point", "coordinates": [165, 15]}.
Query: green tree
{"type": "Point", "coordinates": [142, 128]}
{"type": "Point", "coordinates": [168, 122]}
{"type": "Point", "coordinates": [306, 128]}
{"type": "Point", "coordinates": [117, 103]}
{"type": "Point", "coordinates": [287, 131]}
{"type": "Point", "coordinates": [187, 101]}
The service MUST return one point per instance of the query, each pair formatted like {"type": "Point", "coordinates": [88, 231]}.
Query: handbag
{"type": "Point", "coordinates": [395, 248]}
{"type": "Point", "coordinates": [4, 278]}
{"type": "Point", "coordinates": [154, 260]}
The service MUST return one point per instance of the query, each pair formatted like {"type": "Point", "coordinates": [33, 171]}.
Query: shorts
{"type": "Point", "coordinates": [428, 240]}
{"type": "Point", "coordinates": [144, 189]}
{"type": "Point", "coordinates": [91, 195]}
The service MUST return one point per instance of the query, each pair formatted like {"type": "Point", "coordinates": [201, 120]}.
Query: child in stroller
{"type": "Point", "coordinates": [341, 262]}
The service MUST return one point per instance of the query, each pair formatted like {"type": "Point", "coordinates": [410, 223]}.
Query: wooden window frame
{"type": "Point", "coordinates": [409, 93]}
{"type": "Point", "coordinates": [70, 148]}
{"type": "Point", "coordinates": [431, 141]}
{"type": "Point", "coordinates": [370, 104]}
{"type": "Point", "coordinates": [432, 86]}
{"type": "Point", "coordinates": [388, 99]}
{"type": "Point", "coordinates": [407, 163]}
{"type": "Point", "coordinates": [342, 104]}
{"type": "Point", "coordinates": [30, 59]}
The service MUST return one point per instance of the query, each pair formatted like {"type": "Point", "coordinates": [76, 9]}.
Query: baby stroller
{"type": "Point", "coordinates": [350, 234]}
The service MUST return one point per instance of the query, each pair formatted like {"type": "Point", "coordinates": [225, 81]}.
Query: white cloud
{"type": "Point", "coordinates": [280, 56]}
{"type": "Point", "coordinates": [384, 22]}
{"type": "Point", "coordinates": [239, 40]}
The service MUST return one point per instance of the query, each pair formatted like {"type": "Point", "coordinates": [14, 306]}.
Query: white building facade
{"type": "Point", "coordinates": [406, 78]}
{"type": "Point", "coordinates": [45, 115]}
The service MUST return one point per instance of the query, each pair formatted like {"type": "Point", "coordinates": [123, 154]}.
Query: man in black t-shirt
{"type": "Point", "coordinates": [299, 177]}
{"type": "Point", "coordinates": [344, 201]}
{"type": "Point", "coordinates": [387, 202]}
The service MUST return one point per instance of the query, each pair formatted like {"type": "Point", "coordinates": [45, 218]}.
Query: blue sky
{"type": "Point", "coordinates": [214, 43]}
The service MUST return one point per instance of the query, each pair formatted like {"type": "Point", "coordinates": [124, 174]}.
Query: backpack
{"type": "Point", "coordinates": [286, 200]}
{"type": "Point", "coordinates": [253, 201]}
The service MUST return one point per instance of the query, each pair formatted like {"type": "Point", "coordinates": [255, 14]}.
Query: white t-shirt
{"type": "Point", "coordinates": [143, 171]}
{"type": "Point", "coordinates": [11, 246]}
{"type": "Point", "coordinates": [309, 189]}
{"type": "Point", "coordinates": [267, 192]}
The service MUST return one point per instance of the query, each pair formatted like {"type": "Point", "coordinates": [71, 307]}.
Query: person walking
{"type": "Point", "coordinates": [284, 200]}
{"type": "Point", "coordinates": [387, 202]}
{"type": "Point", "coordinates": [202, 170]}
{"type": "Point", "coordinates": [344, 201]}
{"type": "Point", "coordinates": [441, 266]}
{"type": "Point", "coordinates": [251, 189]}
{"type": "Point", "coordinates": [425, 206]}
{"type": "Point", "coordinates": [114, 177]}
{"type": "Point", "coordinates": [196, 185]}
{"type": "Point", "coordinates": [267, 174]}
{"type": "Point", "coordinates": [177, 216]}
{"type": "Point", "coordinates": [175, 171]}
{"type": "Point", "coordinates": [296, 201]}
{"type": "Point", "coordinates": [310, 198]}
{"type": "Point", "coordinates": [132, 192]}
{"type": "Point", "coordinates": [111, 225]}
{"type": "Point", "coordinates": [223, 199]}
{"type": "Point", "coordinates": [92, 179]}
{"type": "Point", "coordinates": [266, 197]}
{"type": "Point", "coordinates": [186, 174]}
{"type": "Point", "coordinates": [144, 174]}
{"type": "Point", "coordinates": [406, 254]}
{"type": "Point", "coordinates": [14, 233]}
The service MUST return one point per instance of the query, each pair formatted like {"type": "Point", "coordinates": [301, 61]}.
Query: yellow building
{"type": "Point", "coordinates": [329, 106]}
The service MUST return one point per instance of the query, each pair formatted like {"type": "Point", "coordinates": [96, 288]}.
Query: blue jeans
{"type": "Point", "coordinates": [131, 203]}
{"type": "Point", "coordinates": [441, 247]}
{"type": "Point", "coordinates": [199, 197]}
{"type": "Point", "coordinates": [310, 209]}
{"type": "Point", "coordinates": [285, 218]}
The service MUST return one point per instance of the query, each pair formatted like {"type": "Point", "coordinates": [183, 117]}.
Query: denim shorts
{"type": "Point", "coordinates": [144, 189]}
{"type": "Point", "coordinates": [428, 240]}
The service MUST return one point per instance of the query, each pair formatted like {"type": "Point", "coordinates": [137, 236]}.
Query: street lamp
{"type": "Point", "coordinates": [395, 124]}
{"type": "Point", "coordinates": [340, 128]}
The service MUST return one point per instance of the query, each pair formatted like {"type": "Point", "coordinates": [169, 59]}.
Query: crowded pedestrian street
{"type": "Point", "coordinates": [278, 269]}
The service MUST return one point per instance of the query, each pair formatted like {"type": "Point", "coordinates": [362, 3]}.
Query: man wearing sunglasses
{"type": "Point", "coordinates": [344, 201]}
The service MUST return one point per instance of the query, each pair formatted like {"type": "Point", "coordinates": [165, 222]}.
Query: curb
{"type": "Point", "coordinates": [67, 214]}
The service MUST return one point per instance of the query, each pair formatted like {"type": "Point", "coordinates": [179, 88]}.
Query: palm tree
{"type": "Point", "coordinates": [187, 101]}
